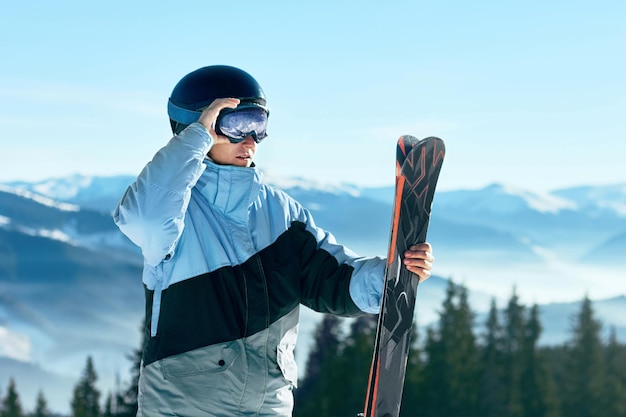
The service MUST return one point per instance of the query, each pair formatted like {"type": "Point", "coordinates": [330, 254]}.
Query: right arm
{"type": "Point", "coordinates": [152, 211]}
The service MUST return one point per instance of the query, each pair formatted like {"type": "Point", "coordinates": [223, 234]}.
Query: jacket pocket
{"type": "Point", "coordinates": [208, 360]}
{"type": "Point", "coordinates": [287, 363]}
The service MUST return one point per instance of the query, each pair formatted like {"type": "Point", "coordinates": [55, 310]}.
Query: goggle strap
{"type": "Point", "coordinates": [182, 115]}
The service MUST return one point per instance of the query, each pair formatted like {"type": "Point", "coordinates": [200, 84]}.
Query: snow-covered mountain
{"type": "Point", "coordinates": [542, 240]}
{"type": "Point", "coordinates": [597, 200]}
{"type": "Point", "coordinates": [572, 224]}
{"type": "Point", "coordinates": [69, 287]}
{"type": "Point", "coordinates": [70, 282]}
{"type": "Point", "coordinates": [497, 206]}
{"type": "Point", "coordinates": [96, 193]}
{"type": "Point", "coordinates": [570, 233]}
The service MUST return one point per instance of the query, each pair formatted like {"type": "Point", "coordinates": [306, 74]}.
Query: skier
{"type": "Point", "coordinates": [228, 260]}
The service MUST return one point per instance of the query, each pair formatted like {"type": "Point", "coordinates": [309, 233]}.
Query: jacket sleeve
{"type": "Point", "coordinates": [335, 279]}
{"type": "Point", "coordinates": [152, 211]}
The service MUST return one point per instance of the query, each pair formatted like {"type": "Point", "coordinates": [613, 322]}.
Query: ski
{"type": "Point", "coordinates": [418, 163]}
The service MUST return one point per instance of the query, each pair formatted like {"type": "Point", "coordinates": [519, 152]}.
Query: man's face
{"type": "Point", "coordinates": [237, 154]}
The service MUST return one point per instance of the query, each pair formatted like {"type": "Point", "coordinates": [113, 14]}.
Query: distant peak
{"type": "Point", "coordinates": [38, 198]}
{"type": "Point", "coordinates": [287, 183]}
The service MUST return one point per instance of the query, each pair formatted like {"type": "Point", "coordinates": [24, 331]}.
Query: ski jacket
{"type": "Point", "coordinates": [228, 260]}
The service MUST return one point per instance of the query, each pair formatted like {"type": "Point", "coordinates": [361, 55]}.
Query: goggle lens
{"type": "Point", "coordinates": [239, 123]}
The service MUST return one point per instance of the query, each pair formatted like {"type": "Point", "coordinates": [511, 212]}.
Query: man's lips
{"type": "Point", "coordinates": [245, 155]}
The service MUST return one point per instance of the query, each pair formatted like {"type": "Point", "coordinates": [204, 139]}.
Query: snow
{"type": "Point", "coordinates": [53, 234]}
{"type": "Point", "coordinates": [64, 189]}
{"type": "Point", "coordinates": [505, 199]}
{"type": "Point", "coordinates": [616, 206]}
{"type": "Point", "coordinates": [285, 183]}
{"type": "Point", "coordinates": [14, 345]}
{"type": "Point", "coordinates": [40, 199]}
{"type": "Point", "coordinates": [604, 197]}
{"type": "Point", "coordinates": [541, 202]}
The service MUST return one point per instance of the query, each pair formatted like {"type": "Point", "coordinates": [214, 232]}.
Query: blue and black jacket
{"type": "Point", "coordinates": [227, 262]}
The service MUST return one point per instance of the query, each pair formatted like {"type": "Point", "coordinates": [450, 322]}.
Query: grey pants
{"type": "Point", "coordinates": [253, 376]}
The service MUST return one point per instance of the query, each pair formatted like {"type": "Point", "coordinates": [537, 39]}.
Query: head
{"type": "Point", "coordinates": [243, 126]}
{"type": "Point", "coordinates": [196, 90]}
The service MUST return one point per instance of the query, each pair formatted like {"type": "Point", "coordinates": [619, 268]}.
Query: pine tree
{"type": "Point", "coordinates": [41, 406]}
{"type": "Point", "coordinates": [585, 367]}
{"type": "Point", "coordinates": [85, 402]}
{"type": "Point", "coordinates": [109, 406]}
{"type": "Point", "coordinates": [354, 366]}
{"type": "Point", "coordinates": [413, 379]}
{"type": "Point", "coordinates": [538, 392]}
{"type": "Point", "coordinates": [452, 368]}
{"type": "Point", "coordinates": [465, 357]}
{"type": "Point", "coordinates": [11, 406]}
{"type": "Point", "coordinates": [431, 401]}
{"type": "Point", "coordinates": [315, 392]}
{"type": "Point", "coordinates": [492, 394]}
{"type": "Point", "coordinates": [513, 342]}
{"type": "Point", "coordinates": [126, 400]}
{"type": "Point", "coordinates": [555, 358]}
{"type": "Point", "coordinates": [615, 383]}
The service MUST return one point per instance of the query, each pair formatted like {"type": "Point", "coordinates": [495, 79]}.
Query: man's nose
{"type": "Point", "coordinates": [249, 141]}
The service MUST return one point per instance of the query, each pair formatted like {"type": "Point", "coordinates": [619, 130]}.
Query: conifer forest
{"type": "Point", "coordinates": [457, 368]}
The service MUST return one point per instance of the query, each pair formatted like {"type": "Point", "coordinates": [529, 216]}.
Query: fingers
{"type": "Point", "coordinates": [424, 247]}
{"type": "Point", "coordinates": [420, 268]}
{"type": "Point", "coordinates": [419, 260]}
{"type": "Point", "coordinates": [422, 251]}
{"type": "Point", "coordinates": [209, 115]}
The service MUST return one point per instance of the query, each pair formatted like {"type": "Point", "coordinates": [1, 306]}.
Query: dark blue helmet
{"type": "Point", "coordinates": [199, 88]}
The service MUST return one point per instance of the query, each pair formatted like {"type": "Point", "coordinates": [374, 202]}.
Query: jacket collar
{"type": "Point", "coordinates": [230, 189]}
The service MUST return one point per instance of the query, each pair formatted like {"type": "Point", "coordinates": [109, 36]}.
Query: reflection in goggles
{"type": "Point", "coordinates": [241, 122]}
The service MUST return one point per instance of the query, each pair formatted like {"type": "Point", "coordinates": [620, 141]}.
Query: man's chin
{"type": "Point", "coordinates": [244, 163]}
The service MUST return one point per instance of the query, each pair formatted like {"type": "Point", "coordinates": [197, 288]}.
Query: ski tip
{"type": "Point", "coordinates": [407, 142]}
{"type": "Point", "coordinates": [408, 139]}
{"type": "Point", "coordinates": [412, 139]}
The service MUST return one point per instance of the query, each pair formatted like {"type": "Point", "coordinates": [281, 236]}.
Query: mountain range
{"type": "Point", "coordinates": [70, 282]}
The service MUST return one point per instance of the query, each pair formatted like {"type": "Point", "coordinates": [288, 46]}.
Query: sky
{"type": "Point", "coordinates": [527, 93]}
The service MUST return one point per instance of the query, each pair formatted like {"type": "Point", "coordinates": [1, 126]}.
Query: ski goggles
{"type": "Point", "coordinates": [248, 119]}
{"type": "Point", "coordinates": [236, 124]}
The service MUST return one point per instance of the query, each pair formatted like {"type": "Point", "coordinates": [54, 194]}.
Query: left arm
{"type": "Point", "coordinates": [336, 280]}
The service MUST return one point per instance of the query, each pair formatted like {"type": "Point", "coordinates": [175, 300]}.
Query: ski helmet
{"type": "Point", "coordinates": [199, 88]}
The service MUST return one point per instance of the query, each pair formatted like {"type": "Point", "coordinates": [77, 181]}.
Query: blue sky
{"type": "Point", "coordinates": [531, 93]}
